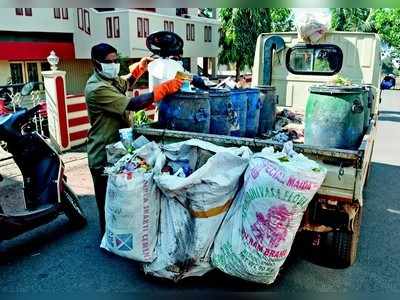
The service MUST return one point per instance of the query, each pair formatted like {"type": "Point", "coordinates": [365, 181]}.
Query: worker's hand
{"type": "Point", "coordinates": [167, 88]}
{"type": "Point", "coordinates": [139, 68]}
{"type": "Point", "coordinates": [145, 61]}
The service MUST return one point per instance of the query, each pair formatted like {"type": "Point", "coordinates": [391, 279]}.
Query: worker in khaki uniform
{"type": "Point", "coordinates": [108, 105]}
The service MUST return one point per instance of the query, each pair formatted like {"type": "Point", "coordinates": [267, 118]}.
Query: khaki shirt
{"type": "Point", "coordinates": [106, 102]}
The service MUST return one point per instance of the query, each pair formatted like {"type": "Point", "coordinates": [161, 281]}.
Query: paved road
{"type": "Point", "coordinates": [57, 258]}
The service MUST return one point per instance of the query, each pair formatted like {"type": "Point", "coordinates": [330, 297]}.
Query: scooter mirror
{"type": "Point", "coordinates": [27, 88]}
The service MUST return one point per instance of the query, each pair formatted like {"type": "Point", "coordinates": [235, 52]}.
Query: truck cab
{"type": "Point", "coordinates": [296, 66]}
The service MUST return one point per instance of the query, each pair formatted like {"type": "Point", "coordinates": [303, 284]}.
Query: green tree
{"type": "Point", "coordinates": [387, 24]}
{"type": "Point", "coordinates": [352, 19]}
{"type": "Point", "coordinates": [240, 28]}
{"type": "Point", "coordinates": [384, 21]}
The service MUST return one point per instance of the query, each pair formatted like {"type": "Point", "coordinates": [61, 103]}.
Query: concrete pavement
{"type": "Point", "coordinates": [57, 258]}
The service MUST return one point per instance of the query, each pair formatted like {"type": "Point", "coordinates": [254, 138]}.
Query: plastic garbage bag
{"type": "Point", "coordinates": [312, 25]}
{"type": "Point", "coordinates": [115, 152]}
{"type": "Point", "coordinates": [258, 231]}
{"type": "Point", "coordinates": [193, 207]}
{"type": "Point", "coordinates": [132, 207]}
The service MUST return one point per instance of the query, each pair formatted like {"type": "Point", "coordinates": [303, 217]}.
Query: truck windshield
{"type": "Point", "coordinates": [314, 59]}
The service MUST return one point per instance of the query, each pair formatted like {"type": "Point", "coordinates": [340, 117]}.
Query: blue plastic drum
{"type": "Point", "coordinates": [253, 112]}
{"type": "Point", "coordinates": [239, 105]}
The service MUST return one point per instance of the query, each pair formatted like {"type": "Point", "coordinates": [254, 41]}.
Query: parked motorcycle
{"type": "Point", "coordinates": [46, 193]}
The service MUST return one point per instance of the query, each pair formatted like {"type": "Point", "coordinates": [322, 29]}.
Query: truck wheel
{"type": "Point", "coordinates": [72, 208]}
{"type": "Point", "coordinates": [345, 243]}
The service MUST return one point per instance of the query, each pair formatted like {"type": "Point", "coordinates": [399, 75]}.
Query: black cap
{"type": "Point", "coordinates": [100, 51]}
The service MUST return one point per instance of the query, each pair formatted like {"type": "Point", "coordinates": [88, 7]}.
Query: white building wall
{"type": "Point", "coordinates": [84, 42]}
{"type": "Point", "coordinates": [42, 20]}
{"type": "Point", "coordinates": [166, 11]}
{"type": "Point", "coordinates": [129, 44]}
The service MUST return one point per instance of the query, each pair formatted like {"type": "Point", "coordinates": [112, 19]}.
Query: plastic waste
{"type": "Point", "coordinates": [163, 69]}
{"type": "Point", "coordinates": [258, 231]}
{"type": "Point", "coordinates": [132, 205]}
{"type": "Point", "coordinates": [312, 25]}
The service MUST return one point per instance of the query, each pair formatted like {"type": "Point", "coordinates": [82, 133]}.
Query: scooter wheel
{"type": "Point", "coordinates": [72, 208]}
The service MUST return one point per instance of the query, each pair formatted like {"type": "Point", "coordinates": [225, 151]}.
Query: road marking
{"type": "Point", "coordinates": [393, 211]}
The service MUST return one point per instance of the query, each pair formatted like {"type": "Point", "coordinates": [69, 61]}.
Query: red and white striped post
{"type": "Point", "coordinates": [54, 83]}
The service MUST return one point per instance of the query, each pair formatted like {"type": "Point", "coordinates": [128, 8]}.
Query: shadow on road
{"type": "Point", "coordinates": [383, 183]}
{"type": "Point", "coordinates": [391, 116]}
{"type": "Point", "coordinates": [37, 240]}
{"type": "Point", "coordinates": [394, 112]}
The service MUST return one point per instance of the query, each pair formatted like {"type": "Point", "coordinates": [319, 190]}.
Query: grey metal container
{"type": "Point", "coordinates": [268, 108]}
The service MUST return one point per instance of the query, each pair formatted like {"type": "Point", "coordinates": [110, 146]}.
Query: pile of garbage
{"type": "Point", "coordinates": [183, 209]}
{"type": "Point", "coordinates": [312, 25]}
{"type": "Point", "coordinates": [289, 126]}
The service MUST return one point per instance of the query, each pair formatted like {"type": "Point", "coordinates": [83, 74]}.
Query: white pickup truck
{"type": "Point", "coordinates": [331, 226]}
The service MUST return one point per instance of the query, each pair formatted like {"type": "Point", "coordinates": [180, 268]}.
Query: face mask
{"type": "Point", "coordinates": [110, 70]}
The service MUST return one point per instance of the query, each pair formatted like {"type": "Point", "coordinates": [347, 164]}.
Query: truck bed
{"type": "Point", "coordinates": [347, 169]}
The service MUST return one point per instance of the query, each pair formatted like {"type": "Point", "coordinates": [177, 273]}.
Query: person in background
{"type": "Point", "coordinates": [388, 82]}
{"type": "Point", "coordinates": [108, 108]}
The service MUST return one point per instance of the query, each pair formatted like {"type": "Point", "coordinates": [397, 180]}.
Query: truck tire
{"type": "Point", "coordinates": [72, 208]}
{"type": "Point", "coordinates": [345, 243]}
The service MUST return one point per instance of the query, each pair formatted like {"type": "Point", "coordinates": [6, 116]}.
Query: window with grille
{"type": "Point", "coordinates": [181, 11]}
{"type": "Point", "coordinates": [64, 13]}
{"type": "Point", "coordinates": [83, 20]}
{"type": "Point", "coordinates": [190, 32]}
{"type": "Point", "coordinates": [139, 27]}
{"type": "Point", "coordinates": [169, 26]}
{"type": "Point", "coordinates": [116, 27]}
{"type": "Point", "coordinates": [57, 13]}
{"type": "Point", "coordinates": [80, 18]}
{"type": "Point", "coordinates": [109, 27]}
{"type": "Point", "coordinates": [87, 21]}
{"type": "Point", "coordinates": [207, 33]}
{"type": "Point", "coordinates": [20, 12]}
{"type": "Point", "coordinates": [146, 28]}
{"type": "Point", "coordinates": [28, 12]}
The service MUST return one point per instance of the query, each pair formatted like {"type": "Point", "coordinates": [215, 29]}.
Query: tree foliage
{"type": "Point", "coordinates": [351, 19]}
{"type": "Point", "coordinates": [384, 21]}
{"type": "Point", "coordinates": [240, 28]}
{"type": "Point", "coordinates": [387, 24]}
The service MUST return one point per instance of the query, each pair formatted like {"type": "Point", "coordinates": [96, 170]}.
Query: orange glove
{"type": "Point", "coordinates": [166, 88]}
{"type": "Point", "coordinates": [139, 68]}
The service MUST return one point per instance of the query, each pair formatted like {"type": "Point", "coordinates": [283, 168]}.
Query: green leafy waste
{"type": "Point", "coordinates": [140, 118]}
{"type": "Point", "coordinates": [340, 80]}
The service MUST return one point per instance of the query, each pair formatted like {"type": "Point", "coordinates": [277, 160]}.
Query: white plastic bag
{"type": "Point", "coordinates": [132, 210]}
{"type": "Point", "coordinates": [312, 24]}
{"type": "Point", "coordinates": [193, 207]}
{"type": "Point", "coordinates": [115, 152]}
{"type": "Point", "coordinates": [259, 229]}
